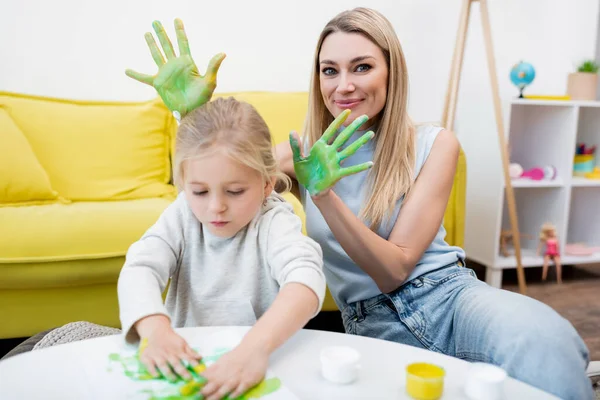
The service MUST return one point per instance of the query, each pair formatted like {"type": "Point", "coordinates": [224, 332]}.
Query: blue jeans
{"type": "Point", "coordinates": [452, 312]}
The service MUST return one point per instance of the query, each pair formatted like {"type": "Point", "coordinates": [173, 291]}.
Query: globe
{"type": "Point", "coordinates": [521, 75]}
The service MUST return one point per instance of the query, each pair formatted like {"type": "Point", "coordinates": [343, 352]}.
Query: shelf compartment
{"type": "Point", "coordinates": [538, 137]}
{"type": "Point", "coordinates": [584, 216]}
{"type": "Point", "coordinates": [534, 208]}
{"type": "Point", "coordinates": [587, 133]}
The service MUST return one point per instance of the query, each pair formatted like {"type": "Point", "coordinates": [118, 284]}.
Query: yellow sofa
{"type": "Point", "coordinates": [80, 181]}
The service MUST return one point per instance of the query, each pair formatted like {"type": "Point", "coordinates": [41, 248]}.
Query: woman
{"type": "Point", "coordinates": [386, 262]}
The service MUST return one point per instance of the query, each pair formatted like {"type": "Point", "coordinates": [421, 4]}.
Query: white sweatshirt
{"type": "Point", "coordinates": [216, 281]}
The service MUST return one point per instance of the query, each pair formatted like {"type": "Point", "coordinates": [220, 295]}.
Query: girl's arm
{"type": "Point", "coordinates": [390, 262]}
{"type": "Point", "coordinates": [293, 307]}
{"type": "Point", "coordinates": [149, 263]}
{"type": "Point", "coordinates": [296, 263]}
{"type": "Point", "coordinates": [246, 365]}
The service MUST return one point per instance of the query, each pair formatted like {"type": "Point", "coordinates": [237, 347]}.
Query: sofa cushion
{"type": "Point", "coordinates": [283, 112]}
{"type": "Point", "coordinates": [95, 150]}
{"type": "Point", "coordinates": [23, 180]}
{"type": "Point", "coordinates": [79, 230]}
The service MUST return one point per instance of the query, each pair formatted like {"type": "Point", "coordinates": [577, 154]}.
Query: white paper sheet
{"type": "Point", "coordinates": [113, 372]}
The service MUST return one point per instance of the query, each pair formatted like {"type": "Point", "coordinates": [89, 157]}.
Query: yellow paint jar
{"type": "Point", "coordinates": [424, 381]}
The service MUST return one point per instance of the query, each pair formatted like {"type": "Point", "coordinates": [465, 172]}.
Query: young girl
{"type": "Point", "coordinates": [233, 251]}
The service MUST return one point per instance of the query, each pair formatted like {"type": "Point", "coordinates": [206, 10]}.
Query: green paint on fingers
{"type": "Point", "coordinates": [178, 80]}
{"type": "Point", "coordinates": [322, 169]}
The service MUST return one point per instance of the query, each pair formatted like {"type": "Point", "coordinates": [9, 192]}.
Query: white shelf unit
{"type": "Point", "coordinates": [539, 133]}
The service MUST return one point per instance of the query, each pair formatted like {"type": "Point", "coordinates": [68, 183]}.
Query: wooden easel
{"type": "Point", "coordinates": [450, 110]}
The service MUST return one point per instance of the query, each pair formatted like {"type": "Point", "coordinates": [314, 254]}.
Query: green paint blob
{"type": "Point", "coordinates": [321, 169]}
{"type": "Point", "coordinates": [264, 388]}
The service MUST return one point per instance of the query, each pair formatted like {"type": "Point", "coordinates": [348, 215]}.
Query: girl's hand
{"type": "Point", "coordinates": [321, 169]}
{"type": "Point", "coordinates": [178, 81]}
{"type": "Point", "coordinates": [235, 373]}
{"type": "Point", "coordinates": [163, 351]}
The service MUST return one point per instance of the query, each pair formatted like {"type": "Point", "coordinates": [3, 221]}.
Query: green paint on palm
{"type": "Point", "coordinates": [321, 169]}
{"type": "Point", "coordinates": [178, 81]}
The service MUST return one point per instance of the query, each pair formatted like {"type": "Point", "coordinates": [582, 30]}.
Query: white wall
{"type": "Point", "coordinates": [80, 48]}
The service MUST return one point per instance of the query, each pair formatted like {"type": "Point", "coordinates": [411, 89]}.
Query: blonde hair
{"type": "Point", "coordinates": [546, 229]}
{"type": "Point", "coordinates": [238, 128]}
{"type": "Point", "coordinates": [391, 176]}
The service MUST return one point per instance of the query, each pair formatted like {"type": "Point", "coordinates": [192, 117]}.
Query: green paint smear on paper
{"type": "Point", "coordinates": [181, 389]}
{"type": "Point", "coordinates": [264, 388]}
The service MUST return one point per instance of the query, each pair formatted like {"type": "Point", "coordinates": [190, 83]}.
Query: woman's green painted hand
{"type": "Point", "coordinates": [178, 81]}
{"type": "Point", "coordinates": [321, 169]}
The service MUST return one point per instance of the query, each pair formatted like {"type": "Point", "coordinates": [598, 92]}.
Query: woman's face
{"type": "Point", "coordinates": [354, 75]}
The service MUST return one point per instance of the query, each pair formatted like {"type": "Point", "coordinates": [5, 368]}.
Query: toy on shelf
{"type": "Point", "coordinates": [506, 238]}
{"type": "Point", "coordinates": [547, 172]}
{"type": "Point", "coordinates": [549, 239]}
{"type": "Point", "coordinates": [582, 148]}
{"type": "Point", "coordinates": [521, 75]}
{"type": "Point", "coordinates": [595, 174]}
{"type": "Point", "coordinates": [584, 162]}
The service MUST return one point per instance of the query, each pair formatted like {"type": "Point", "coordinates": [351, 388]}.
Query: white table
{"type": "Point", "coordinates": [50, 373]}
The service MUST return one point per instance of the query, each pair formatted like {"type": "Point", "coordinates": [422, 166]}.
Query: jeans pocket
{"type": "Point", "coordinates": [389, 305]}
{"type": "Point", "coordinates": [442, 275]}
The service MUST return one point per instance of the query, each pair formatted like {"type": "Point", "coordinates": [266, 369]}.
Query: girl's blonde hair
{"type": "Point", "coordinates": [238, 128]}
{"type": "Point", "coordinates": [391, 176]}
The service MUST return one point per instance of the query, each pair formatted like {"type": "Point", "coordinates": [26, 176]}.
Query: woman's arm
{"type": "Point", "coordinates": [390, 262]}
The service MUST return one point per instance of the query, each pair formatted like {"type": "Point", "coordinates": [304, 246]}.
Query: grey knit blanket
{"type": "Point", "coordinates": [73, 332]}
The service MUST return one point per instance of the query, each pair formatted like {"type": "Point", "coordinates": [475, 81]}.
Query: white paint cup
{"type": "Point", "coordinates": [485, 381]}
{"type": "Point", "coordinates": [340, 364]}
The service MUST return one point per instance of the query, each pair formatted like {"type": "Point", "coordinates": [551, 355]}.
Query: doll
{"type": "Point", "coordinates": [549, 239]}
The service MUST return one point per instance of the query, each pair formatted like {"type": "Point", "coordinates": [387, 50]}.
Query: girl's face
{"type": "Point", "coordinates": [223, 194]}
{"type": "Point", "coordinates": [353, 74]}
